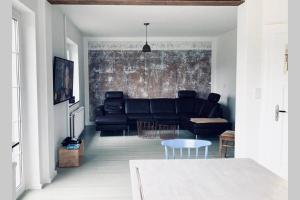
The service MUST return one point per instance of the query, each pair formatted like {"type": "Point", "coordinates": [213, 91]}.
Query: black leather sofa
{"type": "Point", "coordinates": [118, 113]}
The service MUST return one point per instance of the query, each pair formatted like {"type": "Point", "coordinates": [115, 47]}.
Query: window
{"type": "Point", "coordinates": [16, 105]}
{"type": "Point", "coordinates": [72, 54]}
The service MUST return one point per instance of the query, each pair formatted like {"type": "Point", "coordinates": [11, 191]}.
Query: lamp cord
{"type": "Point", "coordinates": [146, 34]}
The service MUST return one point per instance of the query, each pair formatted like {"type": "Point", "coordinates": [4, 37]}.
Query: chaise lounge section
{"type": "Point", "coordinates": [111, 116]}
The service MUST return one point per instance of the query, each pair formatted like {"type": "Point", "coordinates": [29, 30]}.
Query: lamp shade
{"type": "Point", "coordinates": [146, 48]}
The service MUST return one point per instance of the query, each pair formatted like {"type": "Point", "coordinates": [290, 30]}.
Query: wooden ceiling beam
{"type": "Point", "coordinates": [151, 2]}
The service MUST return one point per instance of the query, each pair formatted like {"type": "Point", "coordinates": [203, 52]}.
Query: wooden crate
{"type": "Point", "coordinates": [70, 158]}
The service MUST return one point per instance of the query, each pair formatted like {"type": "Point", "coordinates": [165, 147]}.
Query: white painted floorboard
{"type": "Point", "coordinates": [104, 173]}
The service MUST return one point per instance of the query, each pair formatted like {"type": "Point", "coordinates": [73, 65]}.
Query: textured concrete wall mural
{"type": "Point", "coordinates": [158, 74]}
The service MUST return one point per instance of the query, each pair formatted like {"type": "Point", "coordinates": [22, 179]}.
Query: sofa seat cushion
{"type": "Point", "coordinates": [111, 119]}
{"type": "Point", "coordinates": [187, 117]}
{"type": "Point", "coordinates": [165, 117]}
{"type": "Point", "coordinates": [138, 116]}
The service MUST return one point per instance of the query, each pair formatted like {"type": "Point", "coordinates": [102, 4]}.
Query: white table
{"type": "Point", "coordinates": [213, 179]}
{"type": "Point", "coordinates": [208, 120]}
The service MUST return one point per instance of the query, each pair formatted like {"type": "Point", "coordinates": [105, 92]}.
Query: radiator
{"type": "Point", "coordinates": [77, 122]}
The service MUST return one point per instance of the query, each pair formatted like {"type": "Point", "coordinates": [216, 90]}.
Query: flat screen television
{"type": "Point", "coordinates": [62, 80]}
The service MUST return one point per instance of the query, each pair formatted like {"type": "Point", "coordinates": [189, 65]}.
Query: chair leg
{"type": "Point", "coordinates": [220, 147]}
{"type": "Point", "coordinates": [128, 129]}
{"type": "Point", "coordinates": [173, 153]}
{"type": "Point", "coordinates": [206, 152]}
{"type": "Point", "coordinates": [166, 153]}
{"type": "Point", "coordinates": [226, 149]}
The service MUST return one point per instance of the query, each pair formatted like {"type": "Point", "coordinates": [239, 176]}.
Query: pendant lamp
{"type": "Point", "coordinates": [146, 47]}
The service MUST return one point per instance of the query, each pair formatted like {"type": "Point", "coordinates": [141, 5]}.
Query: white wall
{"type": "Point", "coordinates": [5, 103]}
{"type": "Point", "coordinates": [253, 18]}
{"type": "Point", "coordinates": [226, 72]}
{"type": "Point", "coordinates": [248, 102]}
{"type": "Point", "coordinates": [62, 28]}
{"type": "Point", "coordinates": [58, 49]}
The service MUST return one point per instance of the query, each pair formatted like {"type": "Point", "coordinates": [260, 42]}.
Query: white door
{"type": "Point", "coordinates": [274, 136]}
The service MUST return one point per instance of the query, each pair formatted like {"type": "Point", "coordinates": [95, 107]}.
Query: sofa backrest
{"type": "Point", "coordinates": [213, 97]}
{"type": "Point", "coordinates": [114, 103]}
{"type": "Point", "coordinates": [162, 106]}
{"type": "Point", "coordinates": [185, 105]}
{"type": "Point", "coordinates": [114, 95]}
{"type": "Point", "coordinates": [137, 106]}
{"type": "Point", "coordinates": [198, 105]}
{"type": "Point", "coordinates": [191, 94]}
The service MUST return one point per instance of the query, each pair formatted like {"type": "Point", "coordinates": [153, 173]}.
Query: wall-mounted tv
{"type": "Point", "coordinates": [62, 80]}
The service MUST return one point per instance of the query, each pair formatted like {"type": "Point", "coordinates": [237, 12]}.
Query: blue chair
{"type": "Point", "coordinates": [185, 144]}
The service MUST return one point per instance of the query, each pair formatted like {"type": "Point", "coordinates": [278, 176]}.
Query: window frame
{"type": "Point", "coordinates": [69, 55]}
{"type": "Point", "coordinates": [19, 144]}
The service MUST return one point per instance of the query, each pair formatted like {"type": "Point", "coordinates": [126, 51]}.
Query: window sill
{"type": "Point", "coordinates": [74, 104]}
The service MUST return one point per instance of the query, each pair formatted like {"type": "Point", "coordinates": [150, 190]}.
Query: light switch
{"type": "Point", "coordinates": [257, 93]}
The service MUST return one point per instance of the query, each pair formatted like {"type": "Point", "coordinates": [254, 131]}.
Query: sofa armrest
{"type": "Point", "coordinates": [99, 111]}
{"type": "Point", "coordinates": [199, 103]}
{"type": "Point", "coordinates": [216, 112]}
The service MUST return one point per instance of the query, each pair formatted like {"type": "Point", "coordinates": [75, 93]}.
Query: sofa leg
{"type": "Point", "coordinates": [128, 129]}
{"type": "Point", "coordinates": [124, 132]}
{"type": "Point", "coordinates": [99, 133]}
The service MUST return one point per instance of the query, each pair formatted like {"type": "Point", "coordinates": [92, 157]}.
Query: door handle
{"type": "Point", "coordinates": [277, 111]}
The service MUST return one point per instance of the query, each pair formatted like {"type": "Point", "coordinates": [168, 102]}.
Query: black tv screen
{"type": "Point", "coordinates": [62, 79]}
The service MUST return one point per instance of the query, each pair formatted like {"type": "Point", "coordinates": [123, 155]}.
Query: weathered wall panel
{"type": "Point", "coordinates": [160, 73]}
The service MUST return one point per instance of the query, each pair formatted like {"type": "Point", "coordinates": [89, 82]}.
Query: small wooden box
{"type": "Point", "coordinates": [70, 158]}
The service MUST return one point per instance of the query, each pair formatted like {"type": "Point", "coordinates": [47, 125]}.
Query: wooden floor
{"type": "Point", "coordinates": [104, 173]}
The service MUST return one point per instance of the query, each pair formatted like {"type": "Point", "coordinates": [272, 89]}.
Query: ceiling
{"type": "Point", "coordinates": [166, 21]}
{"type": "Point", "coordinates": [151, 2]}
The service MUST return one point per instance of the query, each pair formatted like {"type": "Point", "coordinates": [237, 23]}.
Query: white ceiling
{"type": "Point", "coordinates": [166, 21]}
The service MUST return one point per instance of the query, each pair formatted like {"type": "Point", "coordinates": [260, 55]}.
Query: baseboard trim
{"type": "Point", "coordinates": [90, 123]}
{"type": "Point", "coordinates": [53, 175]}
{"type": "Point", "coordinates": [34, 187]}
{"type": "Point", "coordinates": [50, 179]}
